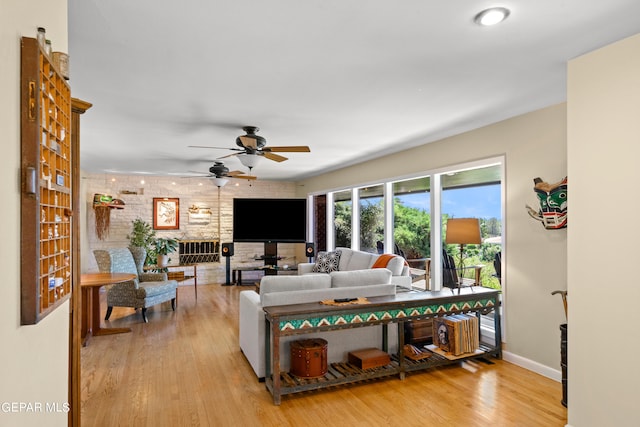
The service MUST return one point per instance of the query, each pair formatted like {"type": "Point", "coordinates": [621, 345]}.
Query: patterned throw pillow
{"type": "Point", "coordinates": [326, 262]}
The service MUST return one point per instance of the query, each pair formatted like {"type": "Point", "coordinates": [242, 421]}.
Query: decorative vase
{"type": "Point", "coordinates": [163, 260]}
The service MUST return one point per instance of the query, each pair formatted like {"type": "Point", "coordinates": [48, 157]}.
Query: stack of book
{"type": "Point", "coordinates": [456, 334]}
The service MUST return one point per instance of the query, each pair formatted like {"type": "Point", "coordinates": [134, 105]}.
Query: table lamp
{"type": "Point", "coordinates": [463, 231]}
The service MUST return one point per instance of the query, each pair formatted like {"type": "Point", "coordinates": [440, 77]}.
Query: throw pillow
{"type": "Point", "coordinates": [382, 261]}
{"type": "Point", "coordinates": [326, 262]}
{"type": "Point", "coordinates": [390, 261]}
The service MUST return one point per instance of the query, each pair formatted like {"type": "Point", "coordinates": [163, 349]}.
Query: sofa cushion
{"type": "Point", "coordinates": [294, 283]}
{"type": "Point", "coordinates": [326, 262]}
{"type": "Point", "coordinates": [357, 260]}
{"type": "Point", "coordinates": [150, 289]}
{"type": "Point", "coordinates": [275, 284]}
{"type": "Point", "coordinates": [317, 295]}
{"type": "Point", "coordinates": [343, 279]}
{"type": "Point", "coordinates": [345, 257]}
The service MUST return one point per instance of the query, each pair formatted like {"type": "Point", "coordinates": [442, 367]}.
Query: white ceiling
{"type": "Point", "coordinates": [352, 79]}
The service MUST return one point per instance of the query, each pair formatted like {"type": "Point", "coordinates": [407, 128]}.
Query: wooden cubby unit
{"type": "Point", "coordinates": [46, 195]}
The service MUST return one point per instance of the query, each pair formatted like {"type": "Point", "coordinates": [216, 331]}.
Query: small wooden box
{"type": "Point", "coordinates": [419, 332]}
{"type": "Point", "coordinates": [369, 358]}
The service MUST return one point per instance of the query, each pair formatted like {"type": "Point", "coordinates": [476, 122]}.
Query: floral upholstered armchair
{"type": "Point", "coordinates": [146, 290]}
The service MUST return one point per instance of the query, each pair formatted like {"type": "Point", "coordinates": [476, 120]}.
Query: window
{"type": "Point", "coordinates": [397, 216]}
{"type": "Point", "coordinates": [412, 218]}
{"type": "Point", "coordinates": [475, 193]}
{"type": "Point", "coordinates": [342, 208]}
{"type": "Point", "coordinates": [371, 212]}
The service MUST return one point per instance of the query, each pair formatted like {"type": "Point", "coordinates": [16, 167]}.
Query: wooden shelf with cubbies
{"type": "Point", "coordinates": [46, 201]}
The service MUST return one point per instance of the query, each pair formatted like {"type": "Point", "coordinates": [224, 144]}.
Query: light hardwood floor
{"type": "Point", "coordinates": [186, 369]}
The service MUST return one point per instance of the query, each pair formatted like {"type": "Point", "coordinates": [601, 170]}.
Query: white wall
{"type": "Point", "coordinates": [603, 151]}
{"type": "Point", "coordinates": [534, 145]}
{"type": "Point", "coordinates": [190, 191]}
{"type": "Point", "coordinates": [33, 359]}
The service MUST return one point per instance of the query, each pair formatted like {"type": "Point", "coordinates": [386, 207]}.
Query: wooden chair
{"type": "Point", "coordinates": [450, 277]}
{"type": "Point", "coordinates": [497, 265]}
{"type": "Point", "coordinates": [420, 269]}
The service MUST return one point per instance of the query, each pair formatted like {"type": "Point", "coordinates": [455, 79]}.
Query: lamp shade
{"type": "Point", "coordinates": [219, 182]}
{"type": "Point", "coordinates": [463, 231]}
{"type": "Point", "coordinates": [249, 160]}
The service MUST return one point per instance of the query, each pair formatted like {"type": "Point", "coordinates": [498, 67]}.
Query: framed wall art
{"type": "Point", "coordinates": [166, 213]}
{"type": "Point", "coordinates": [199, 215]}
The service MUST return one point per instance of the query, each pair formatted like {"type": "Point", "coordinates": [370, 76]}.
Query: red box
{"type": "Point", "coordinates": [309, 358]}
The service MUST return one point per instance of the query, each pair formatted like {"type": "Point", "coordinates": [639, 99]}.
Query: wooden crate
{"type": "Point", "coordinates": [369, 358]}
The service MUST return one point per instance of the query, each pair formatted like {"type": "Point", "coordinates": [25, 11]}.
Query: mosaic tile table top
{"type": "Point", "coordinates": [396, 308]}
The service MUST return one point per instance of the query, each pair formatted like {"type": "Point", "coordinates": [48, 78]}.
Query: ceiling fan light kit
{"type": "Point", "coordinates": [249, 160]}
{"type": "Point", "coordinates": [220, 182]}
{"type": "Point", "coordinates": [491, 16]}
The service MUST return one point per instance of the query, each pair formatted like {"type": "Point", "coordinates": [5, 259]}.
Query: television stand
{"type": "Point", "coordinates": [266, 270]}
{"type": "Point", "coordinates": [270, 257]}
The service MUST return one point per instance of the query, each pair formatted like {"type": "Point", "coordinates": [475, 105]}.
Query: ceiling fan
{"type": "Point", "coordinates": [220, 173]}
{"type": "Point", "coordinates": [255, 145]}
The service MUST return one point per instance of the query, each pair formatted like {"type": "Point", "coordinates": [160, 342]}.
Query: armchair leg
{"type": "Point", "coordinates": [144, 315]}
{"type": "Point", "coordinates": [109, 310]}
{"type": "Point", "coordinates": [173, 304]}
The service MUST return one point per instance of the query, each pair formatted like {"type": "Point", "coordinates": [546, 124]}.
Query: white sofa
{"type": "Point", "coordinates": [283, 290]}
{"type": "Point", "coordinates": [351, 260]}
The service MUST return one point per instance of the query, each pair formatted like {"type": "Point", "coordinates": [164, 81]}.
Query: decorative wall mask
{"type": "Point", "coordinates": [553, 204]}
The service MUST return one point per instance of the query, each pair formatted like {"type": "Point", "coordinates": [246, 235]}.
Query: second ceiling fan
{"type": "Point", "coordinates": [252, 144]}
{"type": "Point", "coordinates": [219, 170]}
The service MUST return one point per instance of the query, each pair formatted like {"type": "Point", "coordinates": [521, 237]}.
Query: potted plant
{"type": "Point", "coordinates": [163, 246]}
{"type": "Point", "coordinates": [142, 236]}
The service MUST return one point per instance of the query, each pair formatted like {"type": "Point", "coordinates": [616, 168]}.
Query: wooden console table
{"type": "Point", "coordinates": [403, 307]}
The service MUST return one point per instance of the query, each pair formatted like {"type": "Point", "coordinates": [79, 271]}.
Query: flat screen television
{"type": "Point", "coordinates": [270, 220]}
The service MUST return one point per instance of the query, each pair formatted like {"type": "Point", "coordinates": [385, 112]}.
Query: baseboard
{"type": "Point", "coordinates": [536, 367]}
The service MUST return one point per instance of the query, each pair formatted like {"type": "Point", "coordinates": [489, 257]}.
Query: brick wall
{"type": "Point", "coordinates": [190, 191]}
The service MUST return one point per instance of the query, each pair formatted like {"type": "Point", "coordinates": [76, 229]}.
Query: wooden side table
{"type": "Point", "coordinates": [90, 284]}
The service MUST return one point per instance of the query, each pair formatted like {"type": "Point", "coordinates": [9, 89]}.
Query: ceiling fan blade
{"type": "Point", "coordinates": [242, 177]}
{"type": "Point", "coordinates": [249, 142]}
{"type": "Point", "coordinates": [232, 173]}
{"type": "Point", "coordinates": [289, 149]}
{"type": "Point", "coordinates": [215, 148]}
{"type": "Point", "coordinates": [197, 176]}
{"type": "Point", "coordinates": [274, 157]}
{"type": "Point", "coordinates": [230, 155]}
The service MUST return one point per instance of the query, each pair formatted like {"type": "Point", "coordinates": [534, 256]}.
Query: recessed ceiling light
{"type": "Point", "coordinates": [491, 16]}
